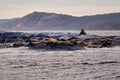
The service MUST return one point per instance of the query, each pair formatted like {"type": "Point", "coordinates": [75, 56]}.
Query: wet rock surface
{"type": "Point", "coordinates": [57, 46]}
{"type": "Point", "coordinates": [57, 41]}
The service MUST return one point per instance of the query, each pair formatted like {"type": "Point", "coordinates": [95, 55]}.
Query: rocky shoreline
{"type": "Point", "coordinates": [56, 41]}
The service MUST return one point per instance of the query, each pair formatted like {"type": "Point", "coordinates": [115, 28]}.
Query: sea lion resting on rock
{"type": "Point", "coordinates": [57, 46]}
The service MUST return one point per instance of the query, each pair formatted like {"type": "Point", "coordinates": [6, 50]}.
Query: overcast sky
{"type": "Point", "coordinates": [19, 8]}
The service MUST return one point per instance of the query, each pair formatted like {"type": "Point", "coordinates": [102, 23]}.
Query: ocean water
{"type": "Point", "coordinates": [89, 32]}
{"type": "Point", "coordinates": [89, 64]}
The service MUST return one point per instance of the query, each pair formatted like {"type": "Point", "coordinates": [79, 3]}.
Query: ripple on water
{"type": "Point", "coordinates": [90, 64]}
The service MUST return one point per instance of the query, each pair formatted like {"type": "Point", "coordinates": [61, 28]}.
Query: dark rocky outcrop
{"type": "Point", "coordinates": [78, 42]}
{"type": "Point", "coordinates": [82, 32]}
{"type": "Point", "coordinates": [56, 46]}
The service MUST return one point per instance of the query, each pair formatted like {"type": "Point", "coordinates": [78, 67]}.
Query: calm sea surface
{"type": "Point", "coordinates": [97, 32]}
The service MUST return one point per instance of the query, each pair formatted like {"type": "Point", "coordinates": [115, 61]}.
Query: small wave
{"type": "Point", "coordinates": [27, 65]}
{"type": "Point", "coordinates": [32, 64]}
{"type": "Point", "coordinates": [85, 63]}
{"type": "Point", "coordinates": [108, 62]}
{"type": "Point", "coordinates": [18, 66]}
{"type": "Point", "coordinates": [100, 63]}
{"type": "Point", "coordinates": [117, 77]}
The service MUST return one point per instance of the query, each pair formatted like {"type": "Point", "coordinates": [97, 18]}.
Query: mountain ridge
{"type": "Point", "coordinates": [53, 21]}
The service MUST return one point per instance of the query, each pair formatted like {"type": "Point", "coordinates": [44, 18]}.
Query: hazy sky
{"type": "Point", "coordinates": [19, 8]}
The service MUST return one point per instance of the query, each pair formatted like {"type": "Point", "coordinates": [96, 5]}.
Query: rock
{"type": "Point", "coordinates": [18, 45]}
{"type": "Point", "coordinates": [8, 40]}
{"type": "Point", "coordinates": [82, 32]}
{"type": "Point", "coordinates": [106, 42]}
{"type": "Point", "coordinates": [116, 41]}
{"type": "Point", "coordinates": [2, 40]}
{"type": "Point", "coordinates": [56, 46]}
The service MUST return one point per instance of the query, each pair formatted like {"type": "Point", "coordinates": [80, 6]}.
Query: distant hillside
{"type": "Point", "coordinates": [7, 20]}
{"type": "Point", "coordinates": [52, 21]}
